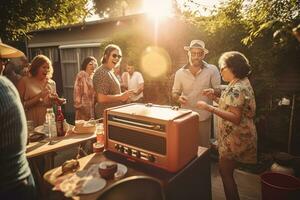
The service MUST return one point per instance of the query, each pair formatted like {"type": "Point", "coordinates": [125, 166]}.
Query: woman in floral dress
{"type": "Point", "coordinates": [237, 139]}
{"type": "Point", "coordinates": [84, 95]}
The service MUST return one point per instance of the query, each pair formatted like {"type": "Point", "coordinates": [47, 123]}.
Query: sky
{"type": "Point", "coordinates": [200, 6]}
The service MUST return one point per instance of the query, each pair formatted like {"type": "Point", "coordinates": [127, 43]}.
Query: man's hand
{"type": "Point", "coordinates": [182, 100]}
{"type": "Point", "coordinates": [210, 93]}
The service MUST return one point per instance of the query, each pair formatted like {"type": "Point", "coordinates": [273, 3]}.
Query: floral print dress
{"type": "Point", "coordinates": [84, 96]}
{"type": "Point", "coordinates": [238, 142]}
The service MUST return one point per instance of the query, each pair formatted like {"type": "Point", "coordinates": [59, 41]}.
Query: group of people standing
{"type": "Point", "coordinates": [94, 91]}
{"type": "Point", "coordinates": [196, 86]}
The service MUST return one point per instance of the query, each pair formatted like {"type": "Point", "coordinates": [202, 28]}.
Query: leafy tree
{"type": "Point", "coordinates": [261, 29]}
{"type": "Point", "coordinates": [18, 17]}
{"type": "Point", "coordinates": [113, 8]}
{"type": "Point", "coordinates": [277, 16]}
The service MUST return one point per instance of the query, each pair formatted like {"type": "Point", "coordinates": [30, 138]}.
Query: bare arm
{"type": "Point", "coordinates": [234, 114]}
{"type": "Point", "coordinates": [102, 98]}
{"type": "Point", "coordinates": [140, 89]}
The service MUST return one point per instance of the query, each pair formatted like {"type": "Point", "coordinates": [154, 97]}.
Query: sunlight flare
{"type": "Point", "coordinates": [157, 9]}
{"type": "Point", "coordinates": [155, 62]}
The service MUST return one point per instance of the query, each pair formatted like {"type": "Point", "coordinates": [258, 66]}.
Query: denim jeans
{"type": "Point", "coordinates": [24, 189]}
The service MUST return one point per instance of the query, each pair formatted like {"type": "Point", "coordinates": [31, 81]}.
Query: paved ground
{"type": "Point", "coordinates": [249, 185]}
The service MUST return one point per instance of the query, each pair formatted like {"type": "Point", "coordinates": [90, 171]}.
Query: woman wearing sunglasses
{"type": "Point", "coordinates": [106, 84]}
{"type": "Point", "coordinates": [237, 139]}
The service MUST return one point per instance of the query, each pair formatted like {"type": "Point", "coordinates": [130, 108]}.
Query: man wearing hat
{"type": "Point", "coordinates": [16, 179]}
{"type": "Point", "coordinates": [190, 80]}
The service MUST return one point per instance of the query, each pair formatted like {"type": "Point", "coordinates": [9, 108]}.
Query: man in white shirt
{"type": "Point", "coordinates": [190, 80]}
{"type": "Point", "coordinates": [133, 81]}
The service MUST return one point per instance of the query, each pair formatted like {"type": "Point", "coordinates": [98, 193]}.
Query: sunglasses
{"type": "Point", "coordinates": [116, 56]}
{"type": "Point", "coordinates": [197, 53]}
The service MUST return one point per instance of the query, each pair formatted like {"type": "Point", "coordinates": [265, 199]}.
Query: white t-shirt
{"type": "Point", "coordinates": [133, 83]}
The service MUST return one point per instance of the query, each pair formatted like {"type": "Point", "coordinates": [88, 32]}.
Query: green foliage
{"type": "Point", "coordinates": [249, 26]}
{"type": "Point", "coordinates": [113, 8]}
{"type": "Point", "coordinates": [265, 15]}
{"type": "Point", "coordinates": [132, 43]}
{"type": "Point", "coordinates": [18, 17]}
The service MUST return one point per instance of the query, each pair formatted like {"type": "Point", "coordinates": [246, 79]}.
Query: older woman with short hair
{"type": "Point", "coordinates": [237, 139]}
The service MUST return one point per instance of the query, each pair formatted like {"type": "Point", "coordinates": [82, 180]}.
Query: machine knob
{"type": "Point", "coordinates": [117, 147]}
{"type": "Point", "coordinates": [151, 158]}
{"type": "Point", "coordinates": [138, 154]}
{"type": "Point", "coordinates": [129, 152]}
{"type": "Point", "coordinates": [157, 127]}
{"type": "Point", "coordinates": [121, 149]}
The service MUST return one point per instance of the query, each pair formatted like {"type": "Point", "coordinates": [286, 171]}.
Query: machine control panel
{"type": "Point", "coordinates": [135, 153]}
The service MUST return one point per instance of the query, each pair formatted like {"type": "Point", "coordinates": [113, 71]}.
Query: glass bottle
{"type": "Point", "coordinates": [50, 120]}
{"type": "Point", "coordinates": [100, 133]}
{"type": "Point", "coordinates": [60, 122]}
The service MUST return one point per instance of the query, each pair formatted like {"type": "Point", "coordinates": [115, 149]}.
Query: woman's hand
{"type": "Point", "coordinates": [202, 105]}
{"type": "Point", "coordinates": [126, 95]}
{"type": "Point", "coordinates": [55, 99]}
{"type": "Point", "coordinates": [45, 93]}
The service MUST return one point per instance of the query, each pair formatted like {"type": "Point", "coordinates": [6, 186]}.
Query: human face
{"type": "Point", "coordinates": [226, 73]}
{"type": "Point", "coordinates": [130, 69]}
{"type": "Point", "coordinates": [43, 71]}
{"type": "Point", "coordinates": [114, 58]}
{"type": "Point", "coordinates": [91, 67]}
{"type": "Point", "coordinates": [196, 55]}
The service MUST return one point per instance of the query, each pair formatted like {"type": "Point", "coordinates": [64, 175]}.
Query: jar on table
{"type": "Point", "coordinates": [100, 133]}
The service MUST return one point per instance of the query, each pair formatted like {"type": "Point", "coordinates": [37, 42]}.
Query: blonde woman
{"type": "Point", "coordinates": [38, 90]}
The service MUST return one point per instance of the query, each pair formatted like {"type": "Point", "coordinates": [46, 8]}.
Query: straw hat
{"type": "Point", "coordinates": [196, 44]}
{"type": "Point", "coordinates": [7, 51]}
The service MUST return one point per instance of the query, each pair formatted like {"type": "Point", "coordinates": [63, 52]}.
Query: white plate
{"type": "Point", "coordinates": [122, 170]}
{"type": "Point", "coordinates": [93, 185]}
{"type": "Point", "coordinates": [80, 132]}
{"type": "Point", "coordinates": [41, 129]}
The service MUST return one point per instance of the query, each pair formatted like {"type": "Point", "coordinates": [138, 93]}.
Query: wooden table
{"type": "Point", "coordinates": [58, 143]}
{"type": "Point", "coordinates": [191, 182]}
{"type": "Point", "coordinates": [45, 149]}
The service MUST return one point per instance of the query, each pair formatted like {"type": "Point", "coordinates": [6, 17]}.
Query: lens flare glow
{"type": "Point", "coordinates": [157, 8]}
{"type": "Point", "coordinates": [155, 62]}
